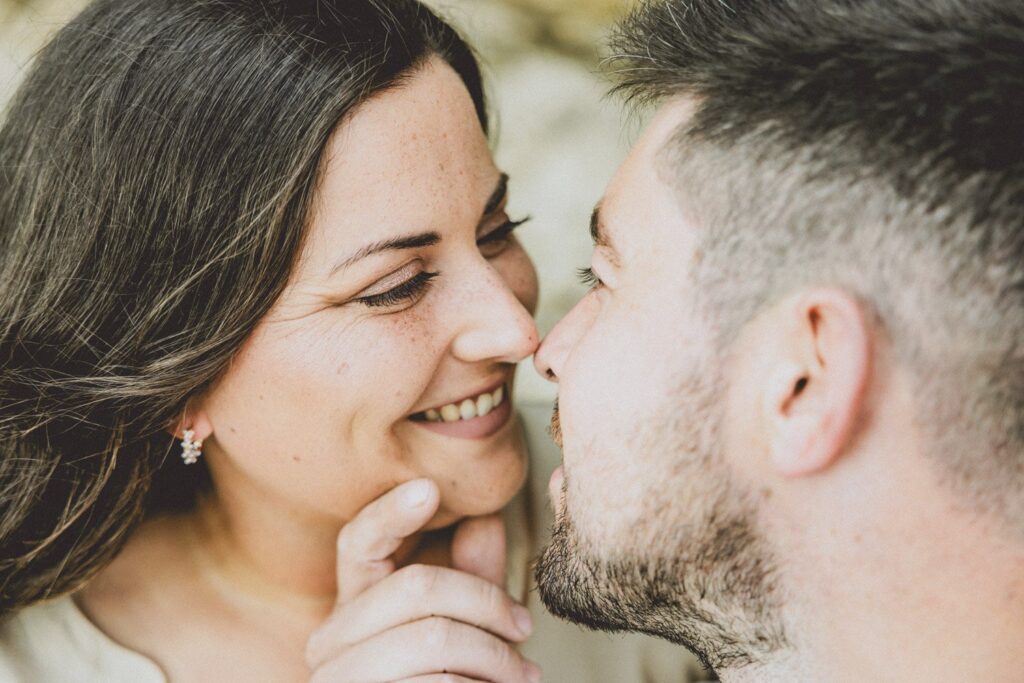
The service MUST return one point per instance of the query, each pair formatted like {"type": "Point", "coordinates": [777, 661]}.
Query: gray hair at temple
{"type": "Point", "coordinates": [874, 145]}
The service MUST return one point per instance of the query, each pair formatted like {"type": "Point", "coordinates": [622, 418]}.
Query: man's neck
{"type": "Point", "coordinates": [957, 617]}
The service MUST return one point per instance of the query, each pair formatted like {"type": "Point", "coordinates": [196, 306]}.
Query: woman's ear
{"type": "Point", "coordinates": [817, 383]}
{"type": "Point", "coordinates": [194, 418]}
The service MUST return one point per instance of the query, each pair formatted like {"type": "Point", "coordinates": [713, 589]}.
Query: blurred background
{"type": "Point", "coordinates": [556, 133]}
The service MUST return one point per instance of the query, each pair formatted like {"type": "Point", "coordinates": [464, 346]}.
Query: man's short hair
{"type": "Point", "coordinates": [877, 145]}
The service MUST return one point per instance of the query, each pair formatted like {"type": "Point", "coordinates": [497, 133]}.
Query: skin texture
{"type": "Point", "coordinates": [767, 501]}
{"type": "Point", "coordinates": [309, 424]}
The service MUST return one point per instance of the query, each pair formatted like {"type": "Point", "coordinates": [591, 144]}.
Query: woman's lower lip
{"type": "Point", "coordinates": [477, 428]}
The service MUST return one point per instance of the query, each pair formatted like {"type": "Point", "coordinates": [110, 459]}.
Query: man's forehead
{"type": "Point", "coordinates": [638, 194]}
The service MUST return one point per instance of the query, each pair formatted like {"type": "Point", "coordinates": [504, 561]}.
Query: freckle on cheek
{"type": "Point", "coordinates": [296, 458]}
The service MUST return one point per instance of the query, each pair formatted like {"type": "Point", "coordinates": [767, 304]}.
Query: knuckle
{"type": "Point", "coordinates": [418, 580]}
{"type": "Point", "coordinates": [494, 600]}
{"type": "Point", "coordinates": [503, 656]}
{"type": "Point", "coordinates": [437, 635]}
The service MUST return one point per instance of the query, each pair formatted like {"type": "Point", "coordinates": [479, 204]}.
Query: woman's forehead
{"type": "Point", "coordinates": [408, 157]}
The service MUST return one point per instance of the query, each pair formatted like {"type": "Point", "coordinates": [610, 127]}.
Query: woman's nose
{"type": "Point", "coordinates": [498, 327]}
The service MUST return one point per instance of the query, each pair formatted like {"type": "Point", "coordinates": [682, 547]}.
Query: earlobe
{"type": "Point", "coordinates": [195, 420]}
{"type": "Point", "coordinates": [818, 390]}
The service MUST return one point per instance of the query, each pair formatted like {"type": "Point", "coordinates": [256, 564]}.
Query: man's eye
{"type": "Point", "coordinates": [410, 290]}
{"type": "Point", "coordinates": [589, 279]}
{"type": "Point", "coordinates": [494, 242]}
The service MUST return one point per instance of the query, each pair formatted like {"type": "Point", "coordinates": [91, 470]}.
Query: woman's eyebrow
{"type": "Point", "coordinates": [426, 239]}
{"type": "Point", "coordinates": [498, 196]}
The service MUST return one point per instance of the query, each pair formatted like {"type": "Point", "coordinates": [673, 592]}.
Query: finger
{"type": "Point", "coordinates": [478, 548]}
{"type": "Point", "coordinates": [414, 593]}
{"type": "Point", "coordinates": [430, 646]}
{"type": "Point", "coordinates": [366, 543]}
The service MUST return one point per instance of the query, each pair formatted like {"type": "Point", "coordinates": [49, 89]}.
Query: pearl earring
{"type": "Point", "coordinates": [190, 450]}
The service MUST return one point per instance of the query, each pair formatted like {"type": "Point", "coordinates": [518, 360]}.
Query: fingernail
{"type": "Point", "coordinates": [524, 622]}
{"type": "Point", "coordinates": [416, 494]}
{"type": "Point", "coordinates": [533, 672]}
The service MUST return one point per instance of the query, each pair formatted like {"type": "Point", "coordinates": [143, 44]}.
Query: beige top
{"type": "Point", "coordinates": [54, 642]}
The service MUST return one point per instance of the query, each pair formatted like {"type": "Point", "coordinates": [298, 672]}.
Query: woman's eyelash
{"type": "Point", "coordinates": [502, 232]}
{"type": "Point", "coordinates": [588, 278]}
{"type": "Point", "coordinates": [415, 286]}
{"type": "Point", "coordinates": [403, 293]}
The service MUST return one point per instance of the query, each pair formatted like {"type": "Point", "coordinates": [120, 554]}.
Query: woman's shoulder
{"type": "Point", "coordinates": [564, 650]}
{"type": "Point", "coordinates": [54, 641]}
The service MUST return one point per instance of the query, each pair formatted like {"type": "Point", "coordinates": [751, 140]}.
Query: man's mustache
{"type": "Point", "coordinates": [556, 426]}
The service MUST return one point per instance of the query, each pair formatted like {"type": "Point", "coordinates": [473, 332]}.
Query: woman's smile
{"type": "Point", "coordinates": [477, 416]}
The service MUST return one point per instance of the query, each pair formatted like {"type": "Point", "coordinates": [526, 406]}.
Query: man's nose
{"type": "Point", "coordinates": [543, 361]}
{"type": "Point", "coordinates": [551, 357]}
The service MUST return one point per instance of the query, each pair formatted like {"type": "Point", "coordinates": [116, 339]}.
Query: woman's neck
{"type": "Point", "coordinates": [273, 555]}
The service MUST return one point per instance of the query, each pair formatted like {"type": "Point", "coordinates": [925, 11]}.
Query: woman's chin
{"type": "Point", "coordinates": [457, 503]}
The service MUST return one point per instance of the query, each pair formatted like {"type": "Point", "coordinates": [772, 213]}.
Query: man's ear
{"type": "Point", "coordinates": [818, 379]}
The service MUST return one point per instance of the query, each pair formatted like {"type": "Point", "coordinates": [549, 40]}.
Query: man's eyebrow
{"type": "Point", "coordinates": [426, 239]}
{"type": "Point", "coordinates": [599, 234]}
{"type": "Point", "coordinates": [597, 228]}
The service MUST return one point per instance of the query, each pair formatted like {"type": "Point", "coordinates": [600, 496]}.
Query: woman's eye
{"type": "Point", "coordinates": [494, 242]}
{"type": "Point", "coordinates": [409, 291]}
{"type": "Point", "coordinates": [589, 279]}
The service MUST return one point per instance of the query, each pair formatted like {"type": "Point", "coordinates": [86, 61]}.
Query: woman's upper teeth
{"type": "Point", "coordinates": [468, 409]}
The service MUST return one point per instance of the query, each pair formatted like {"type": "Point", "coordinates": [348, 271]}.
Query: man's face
{"type": "Point", "coordinates": [655, 532]}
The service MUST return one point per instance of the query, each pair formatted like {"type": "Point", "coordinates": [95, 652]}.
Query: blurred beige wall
{"type": "Point", "coordinates": [557, 135]}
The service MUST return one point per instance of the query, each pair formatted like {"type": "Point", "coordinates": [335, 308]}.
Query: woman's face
{"type": "Point", "coordinates": [409, 297]}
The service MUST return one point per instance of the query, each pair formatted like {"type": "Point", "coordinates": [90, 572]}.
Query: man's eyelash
{"type": "Point", "coordinates": [403, 293]}
{"type": "Point", "coordinates": [502, 232]}
{"type": "Point", "coordinates": [588, 278]}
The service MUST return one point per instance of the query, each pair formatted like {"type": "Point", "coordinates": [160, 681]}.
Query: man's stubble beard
{"type": "Point", "coordinates": [697, 572]}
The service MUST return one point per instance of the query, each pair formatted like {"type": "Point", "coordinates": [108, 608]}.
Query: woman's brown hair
{"type": "Point", "coordinates": [157, 166]}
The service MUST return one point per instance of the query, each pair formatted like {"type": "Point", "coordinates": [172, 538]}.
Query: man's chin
{"type": "Point", "coordinates": [578, 587]}
{"type": "Point", "coordinates": [715, 600]}
{"type": "Point", "coordinates": [568, 586]}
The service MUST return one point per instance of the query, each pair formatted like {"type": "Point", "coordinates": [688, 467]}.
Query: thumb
{"type": "Point", "coordinates": [478, 548]}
